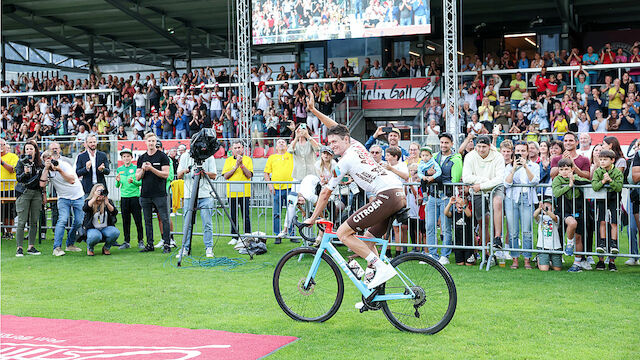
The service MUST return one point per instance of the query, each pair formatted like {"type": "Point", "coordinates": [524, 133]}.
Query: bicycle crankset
{"type": "Point", "coordinates": [370, 305]}
{"type": "Point", "coordinates": [306, 291]}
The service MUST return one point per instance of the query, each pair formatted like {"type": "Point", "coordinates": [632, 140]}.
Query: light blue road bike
{"type": "Point", "coordinates": [421, 298]}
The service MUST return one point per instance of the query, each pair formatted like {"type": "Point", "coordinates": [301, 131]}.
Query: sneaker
{"type": "Point", "coordinates": [282, 234]}
{"type": "Point", "coordinates": [600, 265]}
{"type": "Point", "coordinates": [184, 252]}
{"type": "Point", "coordinates": [209, 252]}
{"type": "Point", "coordinates": [601, 248]}
{"type": "Point", "coordinates": [497, 243]}
{"type": "Point", "coordinates": [585, 264]}
{"type": "Point", "coordinates": [19, 252]}
{"type": "Point", "coordinates": [278, 241]}
{"type": "Point", "coordinates": [384, 272]}
{"type": "Point", "coordinates": [612, 267]}
{"type": "Point", "coordinates": [124, 246]}
{"type": "Point", "coordinates": [73, 248]}
{"type": "Point", "coordinates": [471, 259]}
{"type": "Point", "coordinates": [172, 214]}
{"type": "Point", "coordinates": [172, 243]}
{"type": "Point", "coordinates": [499, 254]}
{"type": "Point", "coordinates": [140, 245]}
{"type": "Point", "coordinates": [575, 268]}
{"type": "Point", "coordinates": [591, 261]}
{"type": "Point", "coordinates": [159, 245]}
{"type": "Point", "coordinates": [33, 251]}
{"type": "Point", "coordinates": [614, 247]}
{"type": "Point", "coordinates": [568, 250]}
{"type": "Point", "coordinates": [444, 260]}
{"type": "Point", "coordinates": [507, 256]}
{"type": "Point", "coordinates": [148, 248]}
{"type": "Point", "coordinates": [58, 252]}
{"type": "Point", "coordinates": [233, 241]}
{"type": "Point", "coordinates": [166, 250]}
{"type": "Point", "coordinates": [631, 262]}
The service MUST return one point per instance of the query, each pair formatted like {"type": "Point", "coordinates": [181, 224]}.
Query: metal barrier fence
{"type": "Point", "coordinates": [460, 233]}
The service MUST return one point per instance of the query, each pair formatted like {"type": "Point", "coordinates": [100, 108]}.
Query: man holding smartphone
{"type": "Point", "coordinates": [393, 139]}
{"type": "Point", "coordinates": [153, 171]}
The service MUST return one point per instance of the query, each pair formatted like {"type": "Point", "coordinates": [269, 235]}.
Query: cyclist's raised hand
{"type": "Point", "coordinates": [309, 221]}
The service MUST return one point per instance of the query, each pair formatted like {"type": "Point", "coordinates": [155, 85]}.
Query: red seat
{"type": "Point", "coordinates": [258, 152]}
{"type": "Point", "coordinates": [220, 153]}
{"type": "Point", "coordinates": [271, 151]}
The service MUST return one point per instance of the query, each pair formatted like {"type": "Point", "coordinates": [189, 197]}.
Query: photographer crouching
{"type": "Point", "coordinates": [100, 220]}
{"type": "Point", "coordinates": [29, 192]}
{"type": "Point", "coordinates": [70, 198]}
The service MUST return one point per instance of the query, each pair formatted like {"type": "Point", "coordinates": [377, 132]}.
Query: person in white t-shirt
{"type": "Point", "coordinates": [139, 122]}
{"type": "Point", "coordinates": [70, 198]}
{"type": "Point", "coordinates": [141, 100]}
{"type": "Point", "coordinates": [548, 238]}
{"type": "Point", "coordinates": [400, 169]}
{"type": "Point", "coordinates": [358, 163]}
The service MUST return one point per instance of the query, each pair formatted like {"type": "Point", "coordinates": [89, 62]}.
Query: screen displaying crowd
{"type": "Point", "coordinates": [280, 21]}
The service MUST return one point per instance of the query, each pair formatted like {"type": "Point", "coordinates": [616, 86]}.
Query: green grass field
{"type": "Point", "coordinates": [501, 314]}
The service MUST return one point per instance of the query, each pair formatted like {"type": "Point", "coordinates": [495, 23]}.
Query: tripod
{"type": "Point", "coordinates": [190, 219]}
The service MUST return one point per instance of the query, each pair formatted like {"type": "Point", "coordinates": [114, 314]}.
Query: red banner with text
{"type": "Point", "coordinates": [398, 93]}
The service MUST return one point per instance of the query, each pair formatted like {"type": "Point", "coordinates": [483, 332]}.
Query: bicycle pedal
{"type": "Point", "coordinates": [360, 306]}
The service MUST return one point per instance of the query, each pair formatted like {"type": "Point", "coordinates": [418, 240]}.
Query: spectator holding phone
{"type": "Point", "coordinates": [100, 220]}
{"type": "Point", "coordinates": [393, 139]}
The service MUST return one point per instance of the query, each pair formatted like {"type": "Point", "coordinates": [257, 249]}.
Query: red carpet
{"type": "Point", "coordinates": [38, 338]}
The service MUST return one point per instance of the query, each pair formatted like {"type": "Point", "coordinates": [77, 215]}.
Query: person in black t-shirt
{"type": "Point", "coordinates": [459, 210]}
{"type": "Point", "coordinates": [153, 170]}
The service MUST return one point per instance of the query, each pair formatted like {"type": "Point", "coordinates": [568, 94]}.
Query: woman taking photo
{"type": "Point", "coordinates": [30, 196]}
{"type": "Point", "coordinates": [100, 220]}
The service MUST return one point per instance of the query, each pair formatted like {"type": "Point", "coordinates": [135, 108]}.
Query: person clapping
{"type": "Point", "coordinates": [100, 220]}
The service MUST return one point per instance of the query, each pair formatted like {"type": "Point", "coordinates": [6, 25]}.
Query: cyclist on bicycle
{"type": "Point", "coordinates": [357, 162]}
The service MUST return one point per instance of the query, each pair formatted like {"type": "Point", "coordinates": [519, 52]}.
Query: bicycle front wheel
{"type": "Point", "coordinates": [435, 301]}
{"type": "Point", "coordinates": [321, 300]}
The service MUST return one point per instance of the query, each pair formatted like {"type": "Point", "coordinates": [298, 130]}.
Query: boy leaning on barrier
{"type": "Point", "coordinates": [568, 207]}
{"type": "Point", "coordinates": [548, 238]}
{"type": "Point", "coordinates": [607, 209]}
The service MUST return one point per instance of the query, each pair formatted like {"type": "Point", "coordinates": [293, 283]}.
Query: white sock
{"type": "Point", "coordinates": [372, 259]}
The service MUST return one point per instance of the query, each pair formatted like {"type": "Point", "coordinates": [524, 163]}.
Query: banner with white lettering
{"type": "Point", "coordinates": [398, 93]}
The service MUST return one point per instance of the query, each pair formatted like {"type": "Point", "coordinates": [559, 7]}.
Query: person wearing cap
{"type": "Point", "coordinates": [483, 169]}
{"type": "Point", "coordinates": [393, 139]}
{"type": "Point", "coordinates": [129, 198]}
{"type": "Point", "coordinates": [450, 163]}
{"type": "Point", "coordinates": [70, 198]}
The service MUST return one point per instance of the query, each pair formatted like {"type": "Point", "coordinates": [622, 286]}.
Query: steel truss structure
{"type": "Point", "coordinates": [244, 71]}
{"type": "Point", "coordinates": [450, 75]}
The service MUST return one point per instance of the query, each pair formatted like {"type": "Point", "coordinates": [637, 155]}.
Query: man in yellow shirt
{"type": "Point", "coordinates": [239, 168]}
{"type": "Point", "coordinates": [279, 167]}
{"type": "Point", "coordinates": [616, 96]}
{"type": "Point", "coordinates": [8, 184]}
{"type": "Point", "coordinates": [517, 88]}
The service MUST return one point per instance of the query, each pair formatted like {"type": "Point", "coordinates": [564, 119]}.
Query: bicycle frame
{"type": "Point", "coordinates": [326, 245]}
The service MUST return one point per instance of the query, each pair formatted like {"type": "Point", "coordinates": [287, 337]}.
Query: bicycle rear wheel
{"type": "Point", "coordinates": [436, 299]}
{"type": "Point", "coordinates": [321, 300]}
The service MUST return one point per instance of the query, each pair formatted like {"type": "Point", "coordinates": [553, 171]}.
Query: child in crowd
{"type": "Point", "coordinates": [422, 225]}
{"type": "Point", "coordinates": [532, 134]}
{"type": "Point", "coordinates": [548, 238]}
{"type": "Point", "coordinates": [607, 209]}
{"type": "Point", "coordinates": [413, 203]}
{"type": "Point", "coordinates": [561, 126]}
{"type": "Point", "coordinates": [459, 210]}
{"type": "Point", "coordinates": [569, 201]}
{"type": "Point", "coordinates": [427, 162]}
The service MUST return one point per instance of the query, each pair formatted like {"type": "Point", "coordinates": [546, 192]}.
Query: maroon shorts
{"type": "Point", "coordinates": [375, 215]}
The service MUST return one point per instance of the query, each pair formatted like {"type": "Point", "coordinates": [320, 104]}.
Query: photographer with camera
{"type": "Point", "coordinates": [70, 198]}
{"type": "Point", "coordinates": [29, 192]}
{"type": "Point", "coordinates": [186, 171]}
{"type": "Point", "coordinates": [100, 220]}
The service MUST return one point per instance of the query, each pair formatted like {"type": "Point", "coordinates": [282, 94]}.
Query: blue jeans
{"type": "Point", "coordinates": [142, 110]}
{"type": "Point", "coordinates": [434, 209]}
{"type": "Point", "coordinates": [421, 20]}
{"type": "Point", "coordinates": [633, 231]}
{"type": "Point", "coordinates": [405, 21]}
{"type": "Point", "coordinates": [108, 235]}
{"type": "Point", "coordinates": [206, 206]}
{"type": "Point", "coordinates": [280, 200]}
{"type": "Point", "coordinates": [64, 211]}
{"type": "Point", "coordinates": [215, 114]}
{"type": "Point", "coordinates": [519, 216]}
{"type": "Point", "coordinates": [181, 134]}
{"type": "Point", "coordinates": [167, 135]}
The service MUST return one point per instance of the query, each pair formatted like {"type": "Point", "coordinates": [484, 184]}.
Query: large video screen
{"type": "Point", "coordinates": [282, 21]}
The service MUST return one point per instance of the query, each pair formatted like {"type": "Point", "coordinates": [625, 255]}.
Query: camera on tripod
{"type": "Point", "coordinates": [204, 144]}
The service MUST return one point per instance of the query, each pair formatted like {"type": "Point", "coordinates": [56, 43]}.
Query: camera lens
{"type": "Point", "coordinates": [54, 162]}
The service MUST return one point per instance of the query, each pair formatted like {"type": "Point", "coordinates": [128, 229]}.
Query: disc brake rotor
{"type": "Point", "coordinates": [302, 290]}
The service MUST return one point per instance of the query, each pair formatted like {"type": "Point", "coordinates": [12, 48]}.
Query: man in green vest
{"type": "Point", "coordinates": [129, 198]}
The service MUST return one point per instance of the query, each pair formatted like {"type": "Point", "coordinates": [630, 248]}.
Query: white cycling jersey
{"type": "Point", "coordinates": [358, 163]}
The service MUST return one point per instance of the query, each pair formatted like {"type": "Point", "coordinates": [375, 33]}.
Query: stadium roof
{"type": "Point", "coordinates": [153, 32]}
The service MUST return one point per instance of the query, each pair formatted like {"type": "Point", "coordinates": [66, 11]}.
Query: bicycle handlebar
{"type": "Point", "coordinates": [301, 226]}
